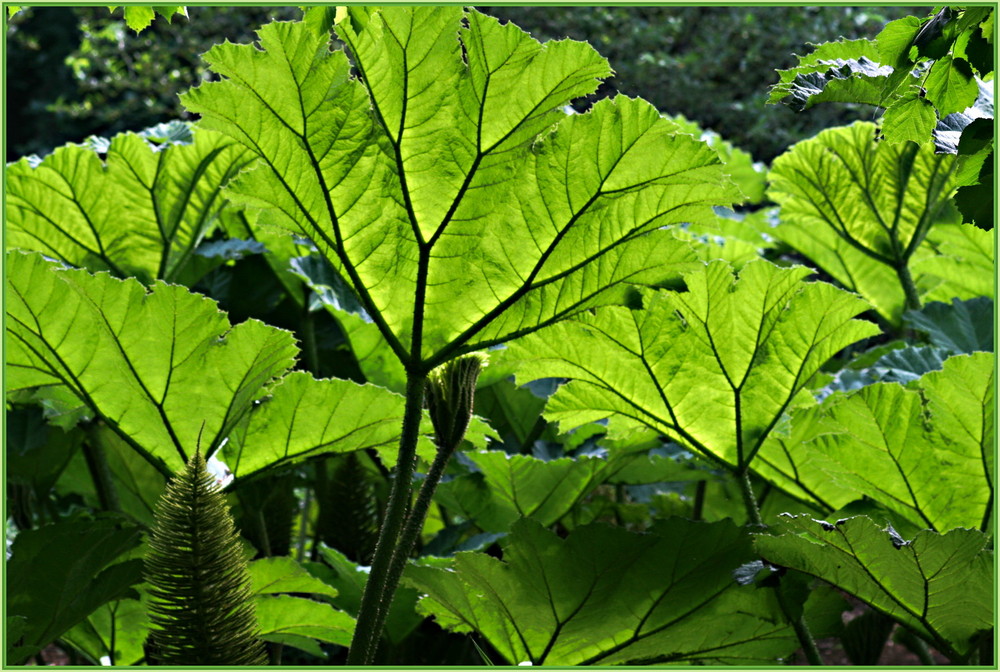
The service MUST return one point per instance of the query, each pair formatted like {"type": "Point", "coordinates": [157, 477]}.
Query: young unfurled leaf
{"type": "Point", "coordinates": [435, 183]}
{"type": "Point", "coordinates": [937, 585]}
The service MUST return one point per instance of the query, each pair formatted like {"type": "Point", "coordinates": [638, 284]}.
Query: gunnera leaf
{"type": "Point", "coordinates": [714, 367]}
{"type": "Point", "coordinates": [200, 598]}
{"type": "Point", "coordinates": [605, 596]}
{"type": "Point", "coordinates": [938, 585]}
{"type": "Point", "coordinates": [138, 212]}
{"type": "Point", "coordinates": [443, 180]}
{"type": "Point", "coordinates": [925, 451]}
{"type": "Point", "coordinates": [861, 209]}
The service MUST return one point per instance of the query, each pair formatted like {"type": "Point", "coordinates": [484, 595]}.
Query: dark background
{"type": "Point", "coordinates": [72, 72]}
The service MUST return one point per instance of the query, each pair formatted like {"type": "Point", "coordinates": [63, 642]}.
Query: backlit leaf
{"type": "Point", "coordinates": [937, 585]}
{"type": "Point", "coordinates": [435, 183]}
{"type": "Point", "coordinates": [714, 367]}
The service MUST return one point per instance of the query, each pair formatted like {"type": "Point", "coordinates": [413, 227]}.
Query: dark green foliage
{"type": "Point", "coordinates": [201, 603]}
{"type": "Point", "coordinates": [267, 510]}
{"type": "Point", "coordinates": [348, 517]}
{"type": "Point", "coordinates": [58, 574]}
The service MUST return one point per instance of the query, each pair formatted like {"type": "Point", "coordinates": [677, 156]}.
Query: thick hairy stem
{"type": "Point", "coordinates": [413, 527]}
{"type": "Point", "coordinates": [909, 287]}
{"type": "Point", "coordinates": [378, 593]}
{"type": "Point", "coordinates": [749, 501]}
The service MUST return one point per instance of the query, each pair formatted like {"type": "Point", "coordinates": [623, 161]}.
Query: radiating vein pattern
{"type": "Point", "coordinates": [443, 179]}
{"type": "Point", "coordinates": [714, 367]}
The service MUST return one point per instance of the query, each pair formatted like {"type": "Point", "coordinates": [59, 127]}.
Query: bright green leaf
{"type": "Point", "coordinates": [304, 417]}
{"type": "Point", "coordinates": [938, 585]}
{"type": "Point", "coordinates": [714, 367]}
{"type": "Point", "coordinates": [963, 264]}
{"type": "Point", "coordinates": [162, 367]}
{"type": "Point", "coordinates": [495, 224]}
{"type": "Point", "coordinates": [270, 576]}
{"type": "Point", "coordinates": [925, 452]}
{"type": "Point", "coordinates": [283, 615]}
{"type": "Point", "coordinates": [123, 624]}
{"type": "Point", "coordinates": [508, 487]}
{"type": "Point", "coordinates": [951, 86]}
{"type": "Point", "coordinates": [139, 212]}
{"type": "Point", "coordinates": [858, 207]}
{"type": "Point", "coordinates": [910, 118]}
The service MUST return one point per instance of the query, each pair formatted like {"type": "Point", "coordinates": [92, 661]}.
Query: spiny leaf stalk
{"type": "Point", "coordinates": [201, 606]}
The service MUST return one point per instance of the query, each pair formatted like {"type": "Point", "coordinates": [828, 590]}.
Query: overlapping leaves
{"type": "Point", "coordinates": [924, 451]}
{"type": "Point", "coordinates": [714, 367]}
{"type": "Point", "coordinates": [433, 183]}
{"type": "Point", "coordinates": [165, 370]}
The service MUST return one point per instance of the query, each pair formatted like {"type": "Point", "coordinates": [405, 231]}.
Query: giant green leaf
{"type": "Point", "coordinates": [940, 586]}
{"type": "Point", "coordinates": [861, 209]}
{"type": "Point", "coordinates": [58, 574]}
{"type": "Point", "coordinates": [435, 182]}
{"type": "Point", "coordinates": [162, 367]}
{"type": "Point", "coordinates": [925, 452]}
{"type": "Point", "coordinates": [606, 596]}
{"type": "Point", "coordinates": [138, 212]}
{"type": "Point", "coordinates": [714, 367]}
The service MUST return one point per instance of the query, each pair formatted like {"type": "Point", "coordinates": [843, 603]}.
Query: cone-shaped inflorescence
{"type": "Point", "coordinates": [201, 604]}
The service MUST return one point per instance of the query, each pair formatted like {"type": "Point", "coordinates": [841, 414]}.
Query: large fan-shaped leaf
{"type": "Point", "coordinates": [426, 183]}
{"type": "Point", "coordinates": [926, 453]}
{"type": "Point", "coordinates": [937, 585]}
{"type": "Point", "coordinates": [861, 209]}
{"type": "Point", "coordinates": [715, 367]}
{"type": "Point", "coordinates": [605, 596]}
{"type": "Point", "coordinates": [163, 368]}
{"type": "Point", "coordinates": [139, 212]}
